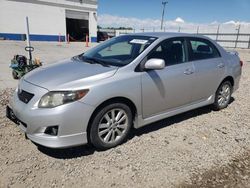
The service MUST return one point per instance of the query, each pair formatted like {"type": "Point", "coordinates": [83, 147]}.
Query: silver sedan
{"type": "Point", "coordinates": [127, 81]}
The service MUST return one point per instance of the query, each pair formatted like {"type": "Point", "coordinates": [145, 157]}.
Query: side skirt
{"type": "Point", "coordinates": [140, 122]}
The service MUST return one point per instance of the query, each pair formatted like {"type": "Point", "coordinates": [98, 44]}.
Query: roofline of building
{"type": "Point", "coordinates": [60, 5]}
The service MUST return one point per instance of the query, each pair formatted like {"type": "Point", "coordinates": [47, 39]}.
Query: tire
{"type": "Point", "coordinates": [110, 126]}
{"type": "Point", "coordinates": [222, 97]}
{"type": "Point", "coordinates": [15, 75]}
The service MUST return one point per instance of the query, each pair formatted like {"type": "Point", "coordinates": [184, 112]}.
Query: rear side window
{"type": "Point", "coordinates": [202, 49]}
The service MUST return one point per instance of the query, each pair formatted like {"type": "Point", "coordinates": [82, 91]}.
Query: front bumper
{"type": "Point", "coordinates": [71, 119]}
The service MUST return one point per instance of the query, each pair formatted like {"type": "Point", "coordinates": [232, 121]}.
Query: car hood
{"type": "Point", "coordinates": [68, 74]}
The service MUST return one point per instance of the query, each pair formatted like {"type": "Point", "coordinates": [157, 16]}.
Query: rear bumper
{"type": "Point", "coordinates": [236, 84]}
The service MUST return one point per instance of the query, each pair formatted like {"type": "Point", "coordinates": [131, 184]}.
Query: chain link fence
{"type": "Point", "coordinates": [230, 37]}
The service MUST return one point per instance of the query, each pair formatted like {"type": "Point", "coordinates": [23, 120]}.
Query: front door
{"type": "Point", "coordinates": [169, 88]}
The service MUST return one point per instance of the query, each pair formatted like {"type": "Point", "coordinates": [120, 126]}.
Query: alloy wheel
{"type": "Point", "coordinates": [113, 125]}
{"type": "Point", "coordinates": [224, 95]}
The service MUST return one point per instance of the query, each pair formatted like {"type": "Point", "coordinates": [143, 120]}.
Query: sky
{"type": "Point", "coordinates": [112, 12]}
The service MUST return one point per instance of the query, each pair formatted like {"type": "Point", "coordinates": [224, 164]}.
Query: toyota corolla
{"type": "Point", "coordinates": [127, 81]}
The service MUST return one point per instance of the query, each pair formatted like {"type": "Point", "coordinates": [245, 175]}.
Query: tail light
{"type": "Point", "coordinates": [241, 63]}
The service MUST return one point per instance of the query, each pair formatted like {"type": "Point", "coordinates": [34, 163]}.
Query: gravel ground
{"type": "Point", "coordinates": [235, 174]}
{"type": "Point", "coordinates": [47, 52]}
{"type": "Point", "coordinates": [200, 148]}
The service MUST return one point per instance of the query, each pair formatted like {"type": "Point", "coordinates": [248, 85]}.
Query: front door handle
{"type": "Point", "coordinates": [188, 71]}
{"type": "Point", "coordinates": [221, 65]}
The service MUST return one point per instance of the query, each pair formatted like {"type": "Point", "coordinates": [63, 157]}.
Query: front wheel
{"type": "Point", "coordinates": [110, 126]}
{"type": "Point", "coordinates": [223, 96]}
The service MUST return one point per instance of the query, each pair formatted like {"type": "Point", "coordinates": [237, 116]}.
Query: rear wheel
{"type": "Point", "coordinates": [110, 126]}
{"type": "Point", "coordinates": [223, 96]}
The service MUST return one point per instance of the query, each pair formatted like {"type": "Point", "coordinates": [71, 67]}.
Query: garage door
{"type": "Point", "coordinates": [77, 15]}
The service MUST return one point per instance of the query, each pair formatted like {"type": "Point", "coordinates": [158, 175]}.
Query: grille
{"type": "Point", "coordinates": [25, 96]}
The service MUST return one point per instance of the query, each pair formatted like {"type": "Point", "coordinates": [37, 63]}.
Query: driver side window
{"type": "Point", "coordinates": [172, 51]}
{"type": "Point", "coordinates": [121, 48]}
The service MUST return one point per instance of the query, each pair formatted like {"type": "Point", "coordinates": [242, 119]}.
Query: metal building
{"type": "Point", "coordinates": [49, 20]}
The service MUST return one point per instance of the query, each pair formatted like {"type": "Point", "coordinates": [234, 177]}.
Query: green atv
{"type": "Point", "coordinates": [21, 65]}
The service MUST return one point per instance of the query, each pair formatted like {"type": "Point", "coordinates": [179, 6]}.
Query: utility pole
{"type": "Point", "coordinates": [163, 12]}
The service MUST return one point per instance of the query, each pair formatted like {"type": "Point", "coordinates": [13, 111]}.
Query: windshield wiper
{"type": "Point", "coordinates": [93, 60]}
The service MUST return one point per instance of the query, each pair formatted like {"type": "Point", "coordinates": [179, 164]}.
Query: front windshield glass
{"type": "Point", "coordinates": [118, 51]}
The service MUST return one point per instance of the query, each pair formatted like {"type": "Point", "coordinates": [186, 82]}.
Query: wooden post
{"type": "Point", "coordinates": [217, 34]}
{"type": "Point", "coordinates": [249, 42]}
{"type": "Point", "coordinates": [237, 37]}
{"type": "Point", "coordinates": [68, 38]}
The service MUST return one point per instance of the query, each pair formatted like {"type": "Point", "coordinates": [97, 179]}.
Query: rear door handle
{"type": "Point", "coordinates": [188, 71]}
{"type": "Point", "coordinates": [221, 65]}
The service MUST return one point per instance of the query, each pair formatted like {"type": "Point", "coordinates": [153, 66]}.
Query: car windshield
{"type": "Point", "coordinates": [118, 51]}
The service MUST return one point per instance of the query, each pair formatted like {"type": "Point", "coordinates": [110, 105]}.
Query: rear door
{"type": "Point", "coordinates": [209, 68]}
{"type": "Point", "coordinates": [169, 88]}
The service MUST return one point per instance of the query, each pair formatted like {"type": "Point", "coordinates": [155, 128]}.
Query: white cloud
{"type": "Point", "coordinates": [215, 23]}
{"type": "Point", "coordinates": [231, 22]}
{"type": "Point", "coordinates": [179, 20]}
{"type": "Point", "coordinates": [117, 21]}
{"type": "Point", "coordinates": [107, 20]}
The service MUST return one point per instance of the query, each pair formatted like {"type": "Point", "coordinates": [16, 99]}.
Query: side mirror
{"type": "Point", "coordinates": [154, 64]}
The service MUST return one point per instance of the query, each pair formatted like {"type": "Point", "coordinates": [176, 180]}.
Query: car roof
{"type": "Point", "coordinates": [168, 35]}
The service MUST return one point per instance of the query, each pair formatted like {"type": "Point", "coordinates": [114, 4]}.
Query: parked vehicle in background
{"type": "Point", "coordinates": [102, 36]}
{"type": "Point", "coordinates": [130, 80]}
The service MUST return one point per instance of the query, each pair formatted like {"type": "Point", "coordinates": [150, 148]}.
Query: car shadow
{"type": "Point", "coordinates": [80, 151]}
{"type": "Point", "coordinates": [67, 153]}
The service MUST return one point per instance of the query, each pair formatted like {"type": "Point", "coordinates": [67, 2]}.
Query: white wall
{"type": "Point", "coordinates": [42, 19]}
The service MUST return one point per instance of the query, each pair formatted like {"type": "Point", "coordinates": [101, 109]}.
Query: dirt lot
{"type": "Point", "coordinates": [201, 148]}
{"type": "Point", "coordinates": [47, 52]}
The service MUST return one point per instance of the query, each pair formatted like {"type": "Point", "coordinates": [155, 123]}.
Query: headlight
{"type": "Point", "coordinates": [57, 98]}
